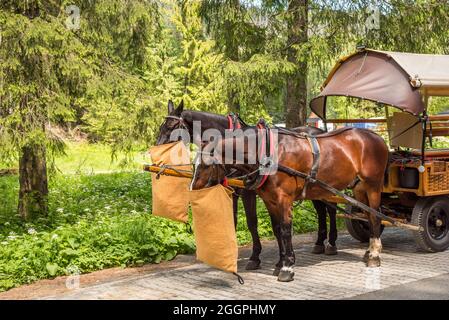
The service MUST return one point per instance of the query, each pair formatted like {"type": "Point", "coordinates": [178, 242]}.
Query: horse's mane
{"type": "Point", "coordinates": [208, 115]}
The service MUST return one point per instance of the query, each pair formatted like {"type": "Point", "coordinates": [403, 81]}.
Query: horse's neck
{"type": "Point", "coordinates": [206, 120]}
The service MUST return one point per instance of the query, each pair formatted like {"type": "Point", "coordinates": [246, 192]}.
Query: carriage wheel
{"type": "Point", "coordinates": [358, 229]}
{"type": "Point", "coordinates": [432, 215]}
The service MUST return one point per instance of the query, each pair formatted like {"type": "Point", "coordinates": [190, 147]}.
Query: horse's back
{"type": "Point", "coordinates": [362, 149]}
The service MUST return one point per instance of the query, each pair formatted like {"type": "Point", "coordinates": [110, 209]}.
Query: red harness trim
{"type": "Point", "coordinates": [225, 182]}
{"type": "Point", "coordinates": [231, 123]}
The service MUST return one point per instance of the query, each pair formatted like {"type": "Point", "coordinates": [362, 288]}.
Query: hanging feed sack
{"type": "Point", "coordinates": [213, 226]}
{"type": "Point", "coordinates": [170, 194]}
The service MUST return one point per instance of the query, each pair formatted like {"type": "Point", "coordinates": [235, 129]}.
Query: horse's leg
{"type": "Point", "coordinates": [249, 202]}
{"type": "Point", "coordinates": [286, 274]}
{"type": "Point", "coordinates": [275, 224]}
{"type": "Point", "coordinates": [320, 208]}
{"type": "Point", "coordinates": [360, 195]}
{"type": "Point", "coordinates": [235, 207]}
{"type": "Point", "coordinates": [331, 248]}
{"type": "Point", "coordinates": [375, 244]}
{"type": "Point", "coordinates": [281, 212]}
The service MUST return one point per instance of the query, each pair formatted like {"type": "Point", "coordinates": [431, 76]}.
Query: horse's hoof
{"type": "Point", "coordinates": [276, 271]}
{"type": "Point", "coordinates": [253, 265]}
{"type": "Point", "coordinates": [373, 262]}
{"type": "Point", "coordinates": [286, 275]}
{"type": "Point", "coordinates": [366, 256]}
{"type": "Point", "coordinates": [318, 249]}
{"type": "Point", "coordinates": [330, 250]}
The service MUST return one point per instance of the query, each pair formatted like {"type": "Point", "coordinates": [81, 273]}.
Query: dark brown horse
{"type": "Point", "coordinates": [346, 154]}
{"type": "Point", "coordinates": [178, 118]}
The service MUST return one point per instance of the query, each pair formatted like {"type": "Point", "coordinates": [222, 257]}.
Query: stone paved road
{"type": "Point", "coordinates": [317, 276]}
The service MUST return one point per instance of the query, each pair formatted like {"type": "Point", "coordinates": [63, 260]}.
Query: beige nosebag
{"type": "Point", "coordinates": [170, 194]}
{"type": "Point", "coordinates": [213, 220]}
{"type": "Point", "coordinates": [213, 225]}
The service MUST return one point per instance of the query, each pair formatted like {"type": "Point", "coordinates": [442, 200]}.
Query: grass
{"type": "Point", "coordinates": [98, 221]}
{"type": "Point", "coordinates": [84, 158]}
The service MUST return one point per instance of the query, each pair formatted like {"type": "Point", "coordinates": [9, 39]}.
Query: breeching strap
{"type": "Point", "coordinates": [266, 144]}
{"type": "Point", "coordinates": [315, 164]}
{"type": "Point", "coordinates": [349, 199]}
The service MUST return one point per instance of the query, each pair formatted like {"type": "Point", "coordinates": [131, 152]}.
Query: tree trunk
{"type": "Point", "coordinates": [232, 53]}
{"type": "Point", "coordinates": [296, 106]}
{"type": "Point", "coordinates": [33, 194]}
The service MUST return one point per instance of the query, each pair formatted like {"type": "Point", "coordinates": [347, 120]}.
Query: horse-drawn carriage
{"type": "Point", "coordinates": [415, 190]}
{"type": "Point", "coordinates": [416, 186]}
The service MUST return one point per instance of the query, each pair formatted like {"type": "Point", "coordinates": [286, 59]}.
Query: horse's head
{"type": "Point", "coordinates": [221, 159]}
{"type": "Point", "coordinates": [173, 121]}
{"type": "Point", "coordinates": [209, 169]}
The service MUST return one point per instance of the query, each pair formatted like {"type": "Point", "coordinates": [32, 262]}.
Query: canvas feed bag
{"type": "Point", "coordinates": [170, 194]}
{"type": "Point", "coordinates": [213, 226]}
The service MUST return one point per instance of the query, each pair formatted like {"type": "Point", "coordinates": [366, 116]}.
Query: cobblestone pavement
{"type": "Point", "coordinates": [317, 276]}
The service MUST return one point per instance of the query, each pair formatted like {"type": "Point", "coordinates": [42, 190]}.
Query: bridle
{"type": "Point", "coordinates": [180, 122]}
{"type": "Point", "coordinates": [214, 174]}
{"type": "Point", "coordinates": [254, 179]}
{"type": "Point", "coordinates": [234, 122]}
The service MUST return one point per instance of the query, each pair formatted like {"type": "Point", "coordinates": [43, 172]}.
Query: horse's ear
{"type": "Point", "coordinates": [180, 108]}
{"type": "Point", "coordinates": [171, 106]}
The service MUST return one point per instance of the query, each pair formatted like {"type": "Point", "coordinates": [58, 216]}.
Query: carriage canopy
{"type": "Point", "coordinates": [393, 78]}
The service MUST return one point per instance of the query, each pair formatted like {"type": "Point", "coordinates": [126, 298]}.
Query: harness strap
{"type": "Point", "coordinates": [266, 152]}
{"type": "Point", "coordinates": [266, 145]}
{"type": "Point", "coordinates": [315, 147]}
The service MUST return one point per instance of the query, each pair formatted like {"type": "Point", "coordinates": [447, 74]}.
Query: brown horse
{"type": "Point", "coordinates": [346, 155]}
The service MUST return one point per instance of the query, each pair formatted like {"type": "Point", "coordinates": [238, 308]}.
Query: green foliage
{"type": "Point", "coordinates": [438, 104]}
{"type": "Point", "coordinates": [100, 221]}
{"type": "Point", "coordinates": [251, 38]}
{"type": "Point", "coordinates": [42, 68]}
{"type": "Point", "coordinates": [95, 222]}
{"type": "Point", "coordinates": [116, 73]}
{"type": "Point", "coordinates": [255, 80]}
